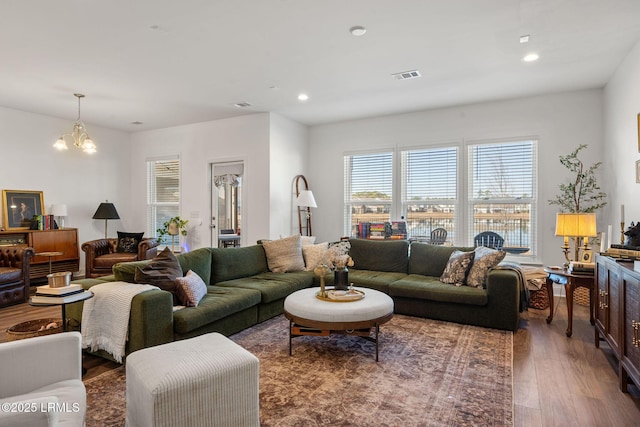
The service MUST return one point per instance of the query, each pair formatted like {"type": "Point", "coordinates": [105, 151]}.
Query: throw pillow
{"type": "Point", "coordinates": [314, 255]}
{"type": "Point", "coordinates": [128, 242]}
{"type": "Point", "coordinates": [190, 289]}
{"type": "Point", "coordinates": [284, 254]}
{"type": "Point", "coordinates": [307, 240]}
{"type": "Point", "coordinates": [484, 260]}
{"type": "Point", "coordinates": [457, 268]}
{"type": "Point", "coordinates": [162, 271]}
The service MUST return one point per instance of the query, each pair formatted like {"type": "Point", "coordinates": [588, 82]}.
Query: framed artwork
{"type": "Point", "coordinates": [20, 206]}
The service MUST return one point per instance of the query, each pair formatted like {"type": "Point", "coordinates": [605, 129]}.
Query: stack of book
{"type": "Point", "coordinates": [62, 295]}
{"type": "Point", "coordinates": [585, 268]}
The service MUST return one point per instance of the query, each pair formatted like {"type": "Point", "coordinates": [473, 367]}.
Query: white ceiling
{"type": "Point", "coordinates": [169, 62]}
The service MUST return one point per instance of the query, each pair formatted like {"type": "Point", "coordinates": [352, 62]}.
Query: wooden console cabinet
{"type": "Point", "coordinates": [63, 240]}
{"type": "Point", "coordinates": [618, 315]}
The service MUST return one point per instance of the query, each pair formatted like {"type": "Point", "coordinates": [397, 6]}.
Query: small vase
{"type": "Point", "coordinates": [341, 279]}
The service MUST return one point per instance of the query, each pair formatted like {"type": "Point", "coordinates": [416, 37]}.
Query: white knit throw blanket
{"type": "Point", "coordinates": [105, 317]}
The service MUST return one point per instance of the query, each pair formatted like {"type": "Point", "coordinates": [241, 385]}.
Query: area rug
{"type": "Point", "coordinates": [430, 373]}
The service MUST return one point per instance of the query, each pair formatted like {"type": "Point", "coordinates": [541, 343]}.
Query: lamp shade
{"type": "Point", "coordinates": [106, 210]}
{"type": "Point", "coordinates": [576, 224]}
{"type": "Point", "coordinates": [59, 210]}
{"type": "Point", "coordinates": [305, 198]}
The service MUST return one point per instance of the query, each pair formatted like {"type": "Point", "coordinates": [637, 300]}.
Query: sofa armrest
{"type": "Point", "coordinates": [18, 256]}
{"type": "Point", "coordinates": [151, 321]}
{"type": "Point", "coordinates": [148, 248]}
{"type": "Point", "coordinates": [503, 289]}
{"type": "Point", "coordinates": [34, 413]}
{"type": "Point", "coordinates": [48, 359]}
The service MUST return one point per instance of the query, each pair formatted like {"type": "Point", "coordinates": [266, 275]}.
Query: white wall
{"type": "Point", "coordinates": [198, 145]}
{"type": "Point", "coordinates": [81, 181]}
{"type": "Point", "coordinates": [622, 105]}
{"type": "Point", "coordinates": [287, 158]}
{"type": "Point", "coordinates": [561, 122]}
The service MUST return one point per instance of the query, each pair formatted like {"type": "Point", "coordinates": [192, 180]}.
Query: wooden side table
{"type": "Point", "coordinates": [570, 282]}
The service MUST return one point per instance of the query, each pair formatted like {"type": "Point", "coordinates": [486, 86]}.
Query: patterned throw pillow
{"type": "Point", "coordinates": [484, 260]}
{"type": "Point", "coordinates": [128, 242]}
{"type": "Point", "coordinates": [457, 268]}
{"type": "Point", "coordinates": [284, 254]}
{"type": "Point", "coordinates": [162, 271]}
{"type": "Point", "coordinates": [190, 289]}
{"type": "Point", "coordinates": [314, 255]}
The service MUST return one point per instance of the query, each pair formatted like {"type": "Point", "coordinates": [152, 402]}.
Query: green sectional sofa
{"type": "Point", "coordinates": [243, 292]}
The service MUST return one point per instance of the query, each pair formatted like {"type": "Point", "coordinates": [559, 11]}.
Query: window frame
{"type": "Point", "coordinates": [153, 222]}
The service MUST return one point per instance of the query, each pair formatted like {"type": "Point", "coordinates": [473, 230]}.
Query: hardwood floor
{"type": "Point", "coordinates": [557, 380]}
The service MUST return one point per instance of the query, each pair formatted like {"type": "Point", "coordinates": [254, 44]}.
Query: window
{"type": "Point", "coordinates": [502, 192]}
{"type": "Point", "coordinates": [430, 190]}
{"type": "Point", "coordinates": [368, 189]}
{"type": "Point", "coordinates": [163, 193]}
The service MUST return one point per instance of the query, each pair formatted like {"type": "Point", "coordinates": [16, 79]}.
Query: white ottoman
{"type": "Point", "coordinates": [204, 381]}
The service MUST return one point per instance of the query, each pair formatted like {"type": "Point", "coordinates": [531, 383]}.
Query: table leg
{"type": "Point", "coordinates": [550, 297]}
{"type": "Point", "coordinates": [569, 288]}
{"type": "Point", "coordinates": [64, 318]}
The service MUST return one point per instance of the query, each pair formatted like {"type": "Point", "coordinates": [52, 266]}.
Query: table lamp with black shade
{"type": "Point", "coordinates": [106, 211]}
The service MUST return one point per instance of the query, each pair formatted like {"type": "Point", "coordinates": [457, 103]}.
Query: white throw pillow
{"type": "Point", "coordinates": [284, 254]}
{"type": "Point", "coordinates": [314, 255]}
{"type": "Point", "coordinates": [190, 289]}
{"type": "Point", "coordinates": [307, 240]}
{"type": "Point", "coordinates": [484, 260]}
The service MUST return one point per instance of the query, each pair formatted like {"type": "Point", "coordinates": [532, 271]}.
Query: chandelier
{"type": "Point", "coordinates": [79, 134]}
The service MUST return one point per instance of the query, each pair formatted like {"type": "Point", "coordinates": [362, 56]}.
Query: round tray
{"type": "Point", "coordinates": [341, 296]}
{"type": "Point", "coordinates": [33, 328]}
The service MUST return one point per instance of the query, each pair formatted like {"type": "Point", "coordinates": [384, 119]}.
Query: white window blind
{"type": "Point", "coordinates": [368, 189]}
{"type": "Point", "coordinates": [502, 192]}
{"type": "Point", "coordinates": [163, 193]}
{"type": "Point", "coordinates": [430, 190]}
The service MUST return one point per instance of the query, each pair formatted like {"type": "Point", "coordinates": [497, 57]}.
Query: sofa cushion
{"type": "Point", "coordinates": [199, 261]}
{"type": "Point", "coordinates": [380, 255]}
{"type": "Point", "coordinates": [234, 263]}
{"type": "Point", "coordinates": [126, 271]}
{"type": "Point", "coordinates": [273, 286]}
{"type": "Point", "coordinates": [284, 255]}
{"type": "Point", "coordinates": [162, 272]}
{"type": "Point", "coordinates": [455, 272]}
{"type": "Point", "coordinates": [190, 289]}
{"type": "Point", "coordinates": [430, 260]}
{"type": "Point", "coordinates": [218, 303]}
{"type": "Point", "coordinates": [430, 288]}
{"type": "Point", "coordinates": [378, 280]}
{"type": "Point", "coordinates": [10, 275]}
{"type": "Point", "coordinates": [108, 260]}
{"type": "Point", "coordinates": [128, 242]}
{"type": "Point", "coordinates": [484, 260]}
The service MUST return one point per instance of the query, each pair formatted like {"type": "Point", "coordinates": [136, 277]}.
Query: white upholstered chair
{"type": "Point", "coordinates": [44, 374]}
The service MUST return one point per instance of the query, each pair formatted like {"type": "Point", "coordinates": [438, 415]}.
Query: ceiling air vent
{"type": "Point", "coordinates": [242, 104]}
{"type": "Point", "coordinates": [406, 75]}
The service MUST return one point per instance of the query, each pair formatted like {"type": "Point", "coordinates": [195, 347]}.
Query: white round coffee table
{"type": "Point", "coordinates": [309, 315]}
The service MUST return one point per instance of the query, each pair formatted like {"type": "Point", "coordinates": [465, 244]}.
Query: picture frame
{"type": "Point", "coordinates": [19, 207]}
{"type": "Point", "coordinates": [587, 256]}
{"type": "Point", "coordinates": [638, 171]}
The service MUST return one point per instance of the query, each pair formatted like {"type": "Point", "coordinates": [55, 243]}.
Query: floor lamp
{"type": "Point", "coordinates": [106, 211]}
{"type": "Point", "coordinates": [306, 201]}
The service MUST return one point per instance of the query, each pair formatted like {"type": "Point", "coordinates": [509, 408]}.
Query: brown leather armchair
{"type": "Point", "coordinates": [102, 254]}
{"type": "Point", "coordinates": [15, 262]}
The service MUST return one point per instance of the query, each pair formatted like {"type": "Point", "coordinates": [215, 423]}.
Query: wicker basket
{"type": "Point", "coordinates": [539, 299]}
{"type": "Point", "coordinates": [581, 296]}
{"type": "Point", "coordinates": [33, 328]}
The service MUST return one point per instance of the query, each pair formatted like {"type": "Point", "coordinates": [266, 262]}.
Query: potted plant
{"type": "Point", "coordinates": [173, 227]}
{"type": "Point", "coordinates": [581, 194]}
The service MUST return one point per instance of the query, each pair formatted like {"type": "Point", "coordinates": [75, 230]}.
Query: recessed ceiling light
{"type": "Point", "coordinates": [242, 104]}
{"type": "Point", "coordinates": [525, 39]}
{"type": "Point", "coordinates": [531, 57]}
{"type": "Point", "coordinates": [358, 30]}
{"type": "Point", "coordinates": [137, 123]}
{"type": "Point", "coordinates": [303, 97]}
